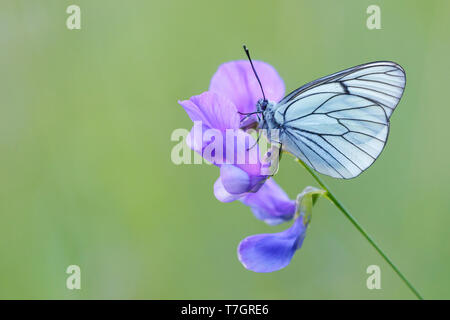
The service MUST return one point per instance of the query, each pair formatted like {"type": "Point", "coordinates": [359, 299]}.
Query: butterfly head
{"type": "Point", "coordinates": [261, 105]}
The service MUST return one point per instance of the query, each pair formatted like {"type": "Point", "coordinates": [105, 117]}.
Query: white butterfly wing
{"type": "Point", "coordinates": [339, 124]}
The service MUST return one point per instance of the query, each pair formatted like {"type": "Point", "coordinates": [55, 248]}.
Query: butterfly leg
{"type": "Point", "coordinates": [257, 140]}
{"type": "Point", "coordinates": [271, 159]}
{"type": "Point", "coordinates": [280, 151]}
{"type": "Point", "coordinates": [247, 115]}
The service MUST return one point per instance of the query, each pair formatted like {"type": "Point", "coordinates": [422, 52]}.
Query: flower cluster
{"type": "Point", "coordinates": [233, 94]}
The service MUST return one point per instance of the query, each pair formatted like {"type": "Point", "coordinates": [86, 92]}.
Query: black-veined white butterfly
{"type": "Point", "coordinates": [339, 124]}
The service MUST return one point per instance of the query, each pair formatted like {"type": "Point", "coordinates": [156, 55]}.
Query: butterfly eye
{"type": "Point", "coordinates": [264, 105]}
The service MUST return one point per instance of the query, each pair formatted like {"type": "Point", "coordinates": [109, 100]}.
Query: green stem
{"type": "Point", "coordinates": [338, 204]}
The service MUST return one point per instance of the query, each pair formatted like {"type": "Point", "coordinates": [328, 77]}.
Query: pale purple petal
{"type": "Point", "coordinates": [234, 183]}
{"type": "Point", "coordinates": [270, 204]}
{"type": "Point", "coordinates": [222, 194]}
{"type": "Point", "coordinates": [273, 251]}
{"type": "Point", "coordinates": [194, 139]}
{"type": "Point", "coordinates": [246, 154]}
{"type": "Point", "coordinates": [236, 81]}
{"type": "Point", "coordinates": [245, 174]}
{"type": "Point", "coordinates": [213, 110]}
{"type": "Point", "coordinates": [234, 179]}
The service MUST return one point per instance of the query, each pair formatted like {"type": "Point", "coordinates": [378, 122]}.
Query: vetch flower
{"type": "Point", "coordinates": [233, 90]}
{"type": "Point", "coordinates": [274, 251]}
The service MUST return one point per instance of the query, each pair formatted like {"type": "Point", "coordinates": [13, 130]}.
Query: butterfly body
{"type": "Point", "coordinates": [339, 124]}
{"type": "Point", "coordinates": [267, 109]}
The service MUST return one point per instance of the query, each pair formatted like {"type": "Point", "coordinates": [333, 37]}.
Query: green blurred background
{"type": "Point", "coordinates": [86, 177]}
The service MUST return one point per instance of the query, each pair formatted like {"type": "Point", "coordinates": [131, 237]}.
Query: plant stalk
{"type": "Point", "coordinates": [339, 205]}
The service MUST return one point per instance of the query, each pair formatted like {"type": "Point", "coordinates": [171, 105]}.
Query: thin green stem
{"type": "Point", "coordinates": [338, 204]}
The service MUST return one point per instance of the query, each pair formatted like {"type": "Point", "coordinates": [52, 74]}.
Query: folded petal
{"type": "Point", "coordinates": [213, 110]}
{"type": "Point", "coordinates": [194, 139]}
{"type": "Point", "coordinates": [234, 179]}
{"type": "Point", "coordinates": [222, 194]}
{"type": "Point", "coordinates": [273, 251]}
{"type": "Point", "coordinates": [246, 173]}
{"type": "Point", "coordinates": [235, 183]}
{"type": "Point", "coordinates": [237, 81]}
{"type": "Point", "coordinates": [270, 203]}
{"type": "Point", "coordinates": [246, 153]}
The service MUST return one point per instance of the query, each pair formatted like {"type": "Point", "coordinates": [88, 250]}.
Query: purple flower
{"type": "Point", "coordinates": [233, 89]}
{"type": "Point", "coordinates": [274, 251]}
{"type": "Point", "coordinates": [234, 92]}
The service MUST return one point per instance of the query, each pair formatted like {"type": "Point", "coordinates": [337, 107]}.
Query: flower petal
{"type": "Point", "coordinates": [194, 139]}
{"type": "Point", "coordinates": [222, 194]}
{"type": "Point", "coordinates": [270, 204]}
{"type": "Point", "coordinates": [213, 110]}
{"type": "Point", "coordinates": [273, 251]}
{"type": "Point", "coordinates": [234, 179]}
{"type": "Point", "coordinates": [237, 81]}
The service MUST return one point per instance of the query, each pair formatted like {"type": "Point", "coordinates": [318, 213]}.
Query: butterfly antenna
{"type": "Point", "coordinates": [254, 71]}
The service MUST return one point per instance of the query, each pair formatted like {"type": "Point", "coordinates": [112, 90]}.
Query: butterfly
{"type": "Point", "coordinates": [339, 124]}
